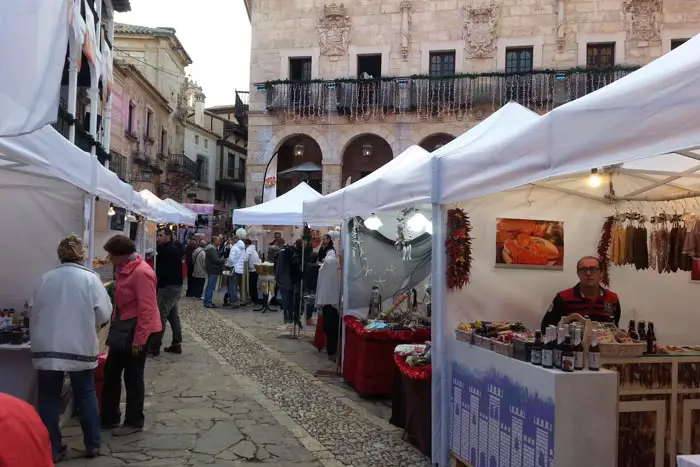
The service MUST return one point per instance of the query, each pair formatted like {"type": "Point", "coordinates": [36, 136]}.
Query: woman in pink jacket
{"type": "Point", "coordinates": [135, 319]}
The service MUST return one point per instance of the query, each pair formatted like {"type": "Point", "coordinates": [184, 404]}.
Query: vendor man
{"type": "Point", "coordinates": [586, 298]}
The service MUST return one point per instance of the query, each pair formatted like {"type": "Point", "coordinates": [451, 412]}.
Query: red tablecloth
{"type": "Point", "coordinates": [320, 334]}
{"type": "Point", "coordinates": [369, 356]}
{"type": "Point", "coordinates": [411, 403]}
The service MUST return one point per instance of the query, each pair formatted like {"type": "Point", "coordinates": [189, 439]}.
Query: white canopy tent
{"type": "Point", "coordinates": [29, 89]}
{"type": "Point", "coordinates": [648, 114]}
{"type": "Point", "coordinates": [398, 184]}
{"type": "Point", "coordinates": [160, 211]}
{"type": "Point", "coordinates": [284, 210]}
{"type": "Point", "coordinates": [189, 217]}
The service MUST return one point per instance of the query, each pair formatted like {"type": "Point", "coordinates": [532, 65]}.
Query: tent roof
{"type": "Point", "coordinates": [159, 210]}
{"type": "Point", "coordinates": [284, 210]}
{"type": "Point", "coordinates": [399, 183]}
{"type": "Point", "coordinates": [305, 167]}
{"type": "Point", "coordinates": [650, 114]}
{"type": "Point", "coordinates": [189, 217]}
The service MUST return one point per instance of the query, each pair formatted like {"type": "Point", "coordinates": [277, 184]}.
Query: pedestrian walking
{"type": "Point", "coordinates": [68, 306]}
{"type": "Point", "coordinates": [192, 245]}
{"type": "Point", "coordinates": [253, 259]}
{"type": "Point", "coordinates": [199, 273]}
{"type": "Point", "coordinates": [213, 265]}
{"type": "Point", "coordinates": [134, 322]}
{"type": "Point", "coordinates": [169, 274]}
{"type": "Point", "coordinates": [236, 261]}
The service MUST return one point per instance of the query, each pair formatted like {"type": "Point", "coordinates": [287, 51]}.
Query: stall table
{"type": "Point", "coordinates": [369, 356]}
{"type": "Point", "coordinates": [320, 335]}
{"type": "Point", "coordinates": [411, 403]}
{"type": "Point", "coordinates": [17, 375]}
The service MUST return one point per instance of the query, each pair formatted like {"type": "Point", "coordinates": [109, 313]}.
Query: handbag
{"type": "Point", "coordinates": [121, 333]}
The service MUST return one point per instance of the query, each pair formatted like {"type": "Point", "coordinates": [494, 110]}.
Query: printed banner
{"type": "Point", "coordinates": [270, 190]}
{"type": "Point", "coordinates": [497, 421]}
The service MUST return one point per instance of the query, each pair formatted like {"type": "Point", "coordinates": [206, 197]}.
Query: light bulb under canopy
{"type": "Point", "coordinates": [417, 223]}
{"type": "Point", "coordinates": [594, 179]}
{"type": "Point", "coordinates": [373, 222]}
{"type": "Point", "coordinates": [111, 211]}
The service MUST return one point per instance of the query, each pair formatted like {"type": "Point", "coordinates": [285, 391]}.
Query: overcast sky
{"type": "Point", "coordinates": [215, 33]}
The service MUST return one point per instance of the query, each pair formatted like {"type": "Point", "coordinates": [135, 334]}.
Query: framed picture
{"type": "Point", "coordinates": [529, 244]}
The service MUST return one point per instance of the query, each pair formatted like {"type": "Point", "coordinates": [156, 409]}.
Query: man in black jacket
{"type": "Point", "coordinates": [169, 274]}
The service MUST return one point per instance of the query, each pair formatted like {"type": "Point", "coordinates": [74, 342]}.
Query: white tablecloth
{"type": "Point", "coordinates": [688, 461]}
{"type": "Point", "coordinates": [17, 375]}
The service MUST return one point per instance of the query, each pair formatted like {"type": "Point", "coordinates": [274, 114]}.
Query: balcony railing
{"type": "Point", "coordinates": [83, 139]}
{"type": "Point", "coordinates": [434, 97]}
{"type": "Point", "coordinates": [118, 164]}
{"type": "Point", "coordinates": [182, 164]}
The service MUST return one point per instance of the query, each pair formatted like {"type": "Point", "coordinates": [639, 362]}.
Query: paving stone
{"type": "Point", "coordinates": [220, 437]}
{"type": "Point", "coordinates": [264, 434]}
{"type": "Point", "coordinates": [245, 449]}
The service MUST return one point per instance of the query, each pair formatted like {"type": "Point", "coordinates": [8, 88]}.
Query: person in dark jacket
{"type": "Point", "coordinates": [214, 265]}
{"type": "Point", "coordinates": [169, 273]}
{"type": "Point", "coordinates": [192, 245]}
{"type": "Point", "coordinates": [288, 277]}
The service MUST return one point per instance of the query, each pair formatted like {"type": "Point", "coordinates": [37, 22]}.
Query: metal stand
{"type": "Point", "coordinates": [266, 304]}
{"type": "Point", "coordinates": [269, 282]}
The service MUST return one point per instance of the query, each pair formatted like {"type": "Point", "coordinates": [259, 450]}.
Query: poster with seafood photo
{"type": "Point", "coordinates": [529, 244]}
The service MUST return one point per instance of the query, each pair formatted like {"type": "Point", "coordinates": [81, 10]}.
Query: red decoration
{"type": "Point", "coordinates": [459, 248]}
{"type": "Point", "coordinates": [418, 334]}
{"type": "Point", "coordinates": [422, 373]}
{"type": "Point", "coordinates": [604, 249]}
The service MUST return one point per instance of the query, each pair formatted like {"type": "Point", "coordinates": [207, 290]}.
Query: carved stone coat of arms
{"type": "Point", "coordinates": [643, 19]}
{"type": "Point", "coordinates": [334, 30]}
{"type": "Point", "coordinates": [480, 25]}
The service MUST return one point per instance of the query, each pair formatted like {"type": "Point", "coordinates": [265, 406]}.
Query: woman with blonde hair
{"type": "Point", "coordinates": [136, 318]}
{"type": "Point", "coordinates": [68, 305]}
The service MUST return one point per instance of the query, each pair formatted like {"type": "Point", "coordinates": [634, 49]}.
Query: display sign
{"type": "Point", "coordinates": [496, 421]}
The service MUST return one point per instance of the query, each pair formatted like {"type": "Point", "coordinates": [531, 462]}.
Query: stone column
{"type": "Point", "coordinates": [254, 182]}
{"type": "Point", "coordinates": [332, 174]}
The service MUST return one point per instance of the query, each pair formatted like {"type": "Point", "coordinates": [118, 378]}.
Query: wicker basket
{"type": "Point", "coordinates": [503, 348]}
{"type": "Point", "coordinates": [616, 350]}
{"type": "Point", "coordinates": [265, 269]}
{"type": "Point", "coordinates": [463, 336]}
{"type": "Point", "coordinates": [483, 342]}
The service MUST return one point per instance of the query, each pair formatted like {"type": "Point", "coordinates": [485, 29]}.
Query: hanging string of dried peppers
{"type": "Point", "coordinates": [604, 249]}
{"type": "Point", "coordinates": [459, 248]}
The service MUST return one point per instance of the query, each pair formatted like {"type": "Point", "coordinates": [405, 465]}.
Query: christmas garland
{"type": "Point", "coordinates": [459, 248]}
{"type": "Point", "coordinates": [589, 71]}
{"type": "Point", "coordinates": [604, 249]}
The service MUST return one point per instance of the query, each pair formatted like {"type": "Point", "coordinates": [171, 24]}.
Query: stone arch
{"type": "Point", "coordinates": [271, 142]}
{"type": "Point", "coordinates": [436, 140]}
{"type": "Point", "coordinates": [356, 131]}
{"type": "Point", "coordinates": [287, 159]}
{"type": "Point", "coordinates": [356, 164]}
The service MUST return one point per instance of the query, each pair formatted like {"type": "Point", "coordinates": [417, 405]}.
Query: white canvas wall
{"type": "Point", "coordinates": [670, 300]}
{"type": "Point", "coordinates": [35, 215]}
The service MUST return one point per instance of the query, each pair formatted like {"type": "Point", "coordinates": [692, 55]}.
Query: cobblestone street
{"type": "Point", "coordinates": [233, 400]}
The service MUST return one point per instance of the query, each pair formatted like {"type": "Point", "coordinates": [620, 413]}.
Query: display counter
{"type": "Point", "coordinates": [659, 408]}
{"type": "Point", "coordinates": [410, 403]}
{"type": "Point", "coordinates": [17, 375]}
{"type": "Point", "coordinates": [508, 412]}
{"type": "Point", "coordinates": [369, 356]}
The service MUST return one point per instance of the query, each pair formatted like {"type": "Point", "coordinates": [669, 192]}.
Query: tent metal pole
{"type": "Point", "coordinates": [679, 196]}
{"type": "Point", "coordinates": [567, 191]}
{"type": "Point", "coordinates": [652, 179]}
{"type": "Point", "coordinates": [672, 178]}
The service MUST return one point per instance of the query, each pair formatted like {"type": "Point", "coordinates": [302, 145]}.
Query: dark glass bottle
{"type": "Point", "coordinates": [536, 349]}
{"type": "Point", "coordinates": [548, 349]}
{"type": "Point", "coordinates": [651, 339]}
{"type": "Point", "coordinates": [567, 355]}
{"type": "Point", "coordinates": [594, 354]}
{"type": "Point", "coordinates": [578, 350]}
{"type": "Point", "coordinates": [558, 347]}
{"type": "Point", "coordinates": [642, 330]}
{"type": "Point", "coordinates": [632, 330]}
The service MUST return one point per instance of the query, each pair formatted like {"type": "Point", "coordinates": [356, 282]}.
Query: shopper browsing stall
{"type": "Point", "coordinates": [169, 273]}
{"type": "Point", "coordinates": [587, 298]}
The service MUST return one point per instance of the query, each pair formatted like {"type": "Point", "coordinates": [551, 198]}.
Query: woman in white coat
{"type": "Point", "coordinates": [328, 297]}
{"type": "Point", "coordinates": [68, 305]}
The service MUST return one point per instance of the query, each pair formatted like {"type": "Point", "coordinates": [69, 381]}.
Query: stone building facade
{"type": "Point", "coordinates": [430, 71]}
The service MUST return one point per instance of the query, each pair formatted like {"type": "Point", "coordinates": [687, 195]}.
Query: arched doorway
{"type": "Point", "coordinates": [363, 155]}
{"type": "Point", "coordinates": [436, 140]}
{"type": "Point", "coordinates": [299, 160]}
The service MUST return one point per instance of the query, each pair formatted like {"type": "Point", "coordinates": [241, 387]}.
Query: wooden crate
{"type": "Point", "coordinates": [456, 461]}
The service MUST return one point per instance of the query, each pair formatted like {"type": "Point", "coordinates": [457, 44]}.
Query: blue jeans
{"type": "Point", "coordinates": [212, 279]}
{"type": "Point", "coordinates": [84, 395]}
{"type": "Point", "coordinates": [233, 289]}
{"type": "Point", "coordinates": [290, 305]}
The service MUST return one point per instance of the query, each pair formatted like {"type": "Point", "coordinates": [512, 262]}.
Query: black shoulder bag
{"type": "Point", "coordinates": [121, 332]}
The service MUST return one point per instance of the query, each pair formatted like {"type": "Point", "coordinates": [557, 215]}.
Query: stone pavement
{"type": "Point", "coordinates": [270, 331]}
{"type": "Point", "coordinates": [199, 414]}
{"type": "Point", "coordinates": [338, 430]}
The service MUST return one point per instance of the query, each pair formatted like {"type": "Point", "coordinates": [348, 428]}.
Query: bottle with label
{"type": "Point", "coordinates": [651, 339]}
{"type": "Point", "coordinates": [578, 350]}
{"type": "Point", "coordinates": [632, 331]}
{"type": "Point", "coordinates": [567, 355]}
{"type": "Point", "coordinates": [642, 330]}
{"type": "Point", "coordinates": [594, 354]}
{"type": "Point", "coordinates": [536, 349]}
{"type": "Point", "coordinates": [548, 349]}
{"type": "Point", "coordinates": [558, 347]}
